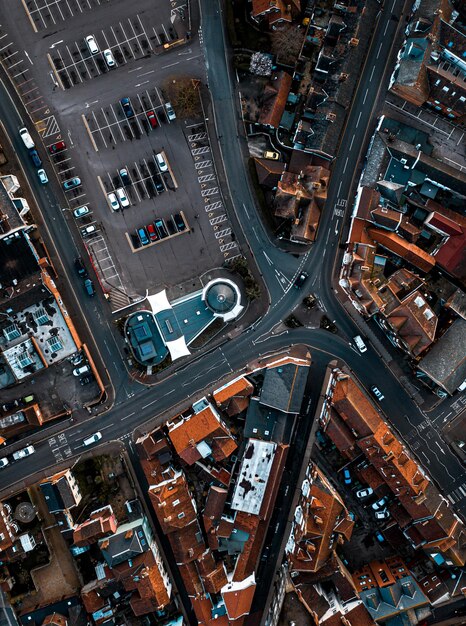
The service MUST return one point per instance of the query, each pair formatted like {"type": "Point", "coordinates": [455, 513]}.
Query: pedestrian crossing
{"type": "Point", "coordinates": [457, 494]}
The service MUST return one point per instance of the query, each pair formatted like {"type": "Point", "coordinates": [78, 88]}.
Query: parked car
{"type": "Point", "coordinates": [83, 369]}
{"type": "Point", "coordinates": [26, 137]}
{"type": "Point", "coordinates": [273, 156]}
{"type": "Point", "coordinates": [179, 222]}
{"type": "Point", "coordinates": [85, 380]}
{"type": "Point", "coordinates": [152, 118]}
{"type": "Point", "coordinates": [35, 157]}
{"type": "Point", "coordinates": [108, 56]}
{"type": "Point", "coordinates": [364, 493]}
{"type": "Point", "coordinates": [113, 201]}
{"type": "Point", "coordinates": [71, 183]}
{"type": "Point", "coordinates": [122, 197]}
{"type": "Point", "coordinates": [127, 108]}
{"type": "Point", "coordinates": [379, 504]}
{"type": "Point", "coordinates": [159, 184]}
{"type": "Point", "coordinates": [92, 439]}
{"type": "Point", "coordinates": [361, 346]}
{"type": "Point", "coordinates": [161, 229]}
{"type": "Point", "coordinates": [9, 406]}
{"type": "Point", "coordinates": [92, 44]}
{"type": "Point", "coordinates": [4, 462]}
{"type": "Point", "coordinates": [347, 476]}
{"type": "Point", "coordinates": [88, 230]}
{"type": "Point", "coordinates": [21, 454]}
{"type": "Point", "coordinates": [382, 514]}
{"type": "Point", "coordinates": [42, 174]}
{"type": "Point", "coordinates": [89, 287]}
{"type": "Point", "coordinates": [125, 179]}
{"type": "Point", "coordinates": [142, 234]}
{"type": "Point", "coordinates": [377, 393]}
{"type": "Point", "coordinates": [79, 267]}
{"type": "Point", "coordinates": [300, 280]}
{"type": "Point", "coordinates": [170, 112]}
{"type": "Point", "coordinates": [81, 211]}
{"type": "Point", "coordinates": [57, 147]}
{"type": "Point", "coordinates": [152, 232]}
{"type": "Point", "coordinates": [163, 167]}
{"type": "Point", "coordinates": [76, 359]}
{"type": "Point", "coordinates": [380, 538]}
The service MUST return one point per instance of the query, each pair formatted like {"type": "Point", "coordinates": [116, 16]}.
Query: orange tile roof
{"type": "Point", "coordinates": [5, 530]}
{"type": "Point", "coordinates": [151, 593]}
{"type": "Point", "coordinates": [170, 500]}
{"type": "Point", "coordinates": [56, 619]}
{"type": "Point", "coordinates": [241, 386]}
{"type": "Point", "coordinates": [402, 248]}
{"type": "Point", "coordinates": [354, 408]}
{"type": "Point", "coordinates": [97, 526]}
{"type": "Point", "coordinates": [274, 99]}
{"type": "Point", "coordinates": [246, 562]}
{"type": "Point", "coordinates": [238, 598]}
{"type": "Point", "coordinates": [187, 543]}
{"type": "Point", "coordinates": [92, 600]}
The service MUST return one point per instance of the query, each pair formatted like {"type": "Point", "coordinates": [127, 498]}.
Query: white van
{"type": "Point", "coordinates": [92, 439]}
{"type": "Point", "coordinates": [26, 137]}
{"type": "Point", "coordinates": [21, 454]}
{"type": "Point", "coordinates": [361, 346]}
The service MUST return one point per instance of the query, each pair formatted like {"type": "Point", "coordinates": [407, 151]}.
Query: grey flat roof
{"type": "Point", "coordinates": [253, 476]}
{"type": "Point", "coordinates": [193, 316]}
{"type": "Point", "coordinates": [283, 387]}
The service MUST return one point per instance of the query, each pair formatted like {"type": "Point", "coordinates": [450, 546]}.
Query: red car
{"type": "Point", "coordinates": [57, 147]}
{"type": "Point", "coordinates": [152, 232]}
{"type": "Point", "coordinates": [152, 118]}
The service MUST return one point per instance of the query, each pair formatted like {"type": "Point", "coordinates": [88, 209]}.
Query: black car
{"type": "Point", "coordinates": [159, 185]}
{"type": "Point", "coordinates": [79, 267]}
{"type": "Point", "coordinates": [126, 106]}
{"type": "Point", "coordinates": [35, 157]}
{"type": "Point", "coordinates": [179, 222]}
{"type": "Point", "coordinates": [299, 282]}
{"type": "Point", "coordinates": [85, 380]}
{"type": "Point", "coordinates": [125, 179]}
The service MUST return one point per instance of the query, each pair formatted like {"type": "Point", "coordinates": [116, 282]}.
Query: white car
{"type": "Point", "coordinates": [113, 202]}
{"type": "Point", "coordinates": [92, 44]}
{"type": "Point", "coordinates": [122, 197]}
{"type": "Point", "coordinates": [377, 393]}
{"type": "Point", "coordinates": [21, 454]}
{"type": "Point", "coordinates": [382, 514]}
{"type": "Point", "coordinates": [89, 230]}
{"type": "Point", "coordinates": [79, 371]}
{"type": "Point", "coordinates": [42, 176]}
{"type": "Point", "coordinates": [108, 56]}
{"type": "Point", "coordinates": [26, 137]}
{"type": "Point", "coordinates": [170, 112]}
{"type": "Point", "coordinates": [92, 439]}
{"type": "Point", "coordinates": [163, 167]}
{"type": "Point", "coordinates": [81, 211]}
{"type": "Point", "coordinates": [379, 504]}
{"type": "Point", "coordinates": [4, 462]}
{"type": "Point", "coordinates": [364, 493]}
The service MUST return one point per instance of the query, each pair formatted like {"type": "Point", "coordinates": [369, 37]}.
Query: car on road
{"type": "Point", "coordinates": [301, 279]}
{"type": "Point", "coordinates": [382, 514]}
{"type": "Point", "coordinates": [123, 200]}
{"type": "Point", "coordinates": [179, 222]}
{"type": "Point", "coordinates": [361, 346]}
{"type": "Point", "coordinates": [85, 380]}
{"type": "Point", "coordinates": [81, 211]}
{"type": "Point", "coordinates": [364, 493]}
{"type": "Point", "coordinates": [92, 44]}
{"type": "Point", "coordinates": [57, 147]}
{"type": "Point", "coordinates": [142, 234]}
{"type": "Point", "coordinates": [113, 201]}
{"type": "Point", "coordinates": [108, 56]}
{"type": "Point", "coordinates": [347, 476]}
{"type": "Point", "coordinates": [269, 154]}
{"type": "Point", "coordinates": [152, 232]}
{"type": "Point", "coordinates": [21, 454]}
{"type": "Point", "coordinates": [79, 371]}
{"type": "Point", "coordinates": [92, 439]}
{"type": "Point", "coordinates": [35, 157]}
{"type": "Point", "coordinates": [42, 174]}
{"type": "Point", "coordinates": [89, 287]}
{"type": "Point", "coordinates": [125, 179]}
{"type": "Point", "coordinates": [4, 462]}
{"type": "Point", "coordinates": [71, 183]}
{"type": "Point", "coordinates": [163, 167]}
{"type": "Point", "coordinates": [170, 112]}
{"type": "Point", "coordinates": [88, 231]}
{"type": "Point", "coordinates": [161, 228]}
{"type": "Point", "coordinates": [79, 267]}
{"type": "Point", "coordinates": [377, 393]}
{"type": "Point", "coordinates": [380, 504]}
{"type": "Point", "coordinates": [152, 119]}
{"type": "Point", "coordinates": [26, 137]}
{"type": "Point", "coordinates": [127, 108]}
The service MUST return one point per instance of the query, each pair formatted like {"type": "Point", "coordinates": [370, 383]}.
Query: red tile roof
{"type": "Point", "coordinates": [274, 99]}
{"type": "Point", "coordinates": [238, 597]}
{"type": "Point", "coordinates": [173, 503]}
{"type": "Point", "coordinates": [402, 248]}
{"type": "Point", "coordinates": [151, 593]}
{"type": "Point", "coordinates": [55, 619]}
{"type": "Point", "coordinates": [239, 387]}
{"type": "Point", "coordinates": [99, 524]}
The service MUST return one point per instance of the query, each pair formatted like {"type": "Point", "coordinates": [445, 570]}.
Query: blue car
{"type": "Point", "coordinates": [127, 108]}
{"type": "Point", "coordinates": [35, 157]}
{"type": "Point", "coordinates": [72, 183]}
{"type": "Point", "coordinates": [143, 238]}
{"type": "Point", "coordinates": [347, 476]}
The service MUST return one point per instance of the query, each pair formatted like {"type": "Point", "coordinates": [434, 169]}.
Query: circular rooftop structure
{"type": "Point", "coordinates": [25, 512]}
{"type": "Point", "coordinates": [223, 298]}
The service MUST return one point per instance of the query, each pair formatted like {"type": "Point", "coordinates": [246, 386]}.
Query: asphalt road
{"type": "Point", "coordinates": [134, 404]}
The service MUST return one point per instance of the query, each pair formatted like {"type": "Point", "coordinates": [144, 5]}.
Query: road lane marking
{"type": "Point", "coordinates": [359, 119]}
{"type": "Point", "coordinates": [126, 416]}
{"type": "Point", "coordinates": [372, 73]}
{"type": "Point", "coordinates": [380, 48]}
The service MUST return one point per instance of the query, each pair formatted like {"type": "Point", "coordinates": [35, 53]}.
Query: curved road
{"type": "Point", "coordinates": [134, 404]}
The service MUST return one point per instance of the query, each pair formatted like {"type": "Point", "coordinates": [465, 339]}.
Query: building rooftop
{"type": "Point", "coordinates": [284, 385]}
{"type": "Point", "coordinates": [274, 99]}
{"type": "Point", "coordinates": [129, 541]}
{"type": "Point", "coordinates": [253, 476]}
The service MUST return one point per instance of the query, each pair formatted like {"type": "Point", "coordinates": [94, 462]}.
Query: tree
{"type": "Point", "coordinates": [260, 64]}
{"type": "Point", "coordinates": [287, 42]}
{"type": "Point", "coordinates": [183, 93]}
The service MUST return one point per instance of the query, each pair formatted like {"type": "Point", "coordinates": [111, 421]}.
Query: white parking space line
{"type": "Point", "coordinates": [117, 42]}
{"type": "Point", "coordinates": [127, 39]}
{"type": "Point", "coordinates": [155, 33]}
{"type": "Point", "coordinates": [98, 129]}
{"type": "Point", "coordinates": [109, 127]}
{"type": "Point", "coordinates": [144, 31]}
{"type": "Point", "coordinates": [82, 60]}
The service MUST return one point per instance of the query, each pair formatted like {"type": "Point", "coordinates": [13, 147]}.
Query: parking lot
{"type": "Point", "coordinates": [48, 13]}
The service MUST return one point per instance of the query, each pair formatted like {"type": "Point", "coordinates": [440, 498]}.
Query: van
{"type": "Point", "coordinates": [361, 346]}
{"type": "Point", "coordinates": [92, 439]}
{"type": "Point", "coordinates": [163, 167]}
{"type": "Point", "coordinates": [21, 454]}
{"type": "Point", "coordinates": [26, 137]}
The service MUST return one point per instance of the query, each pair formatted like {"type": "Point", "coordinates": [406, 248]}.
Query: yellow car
{"type": "Point", "coordinates": [274, 156]}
